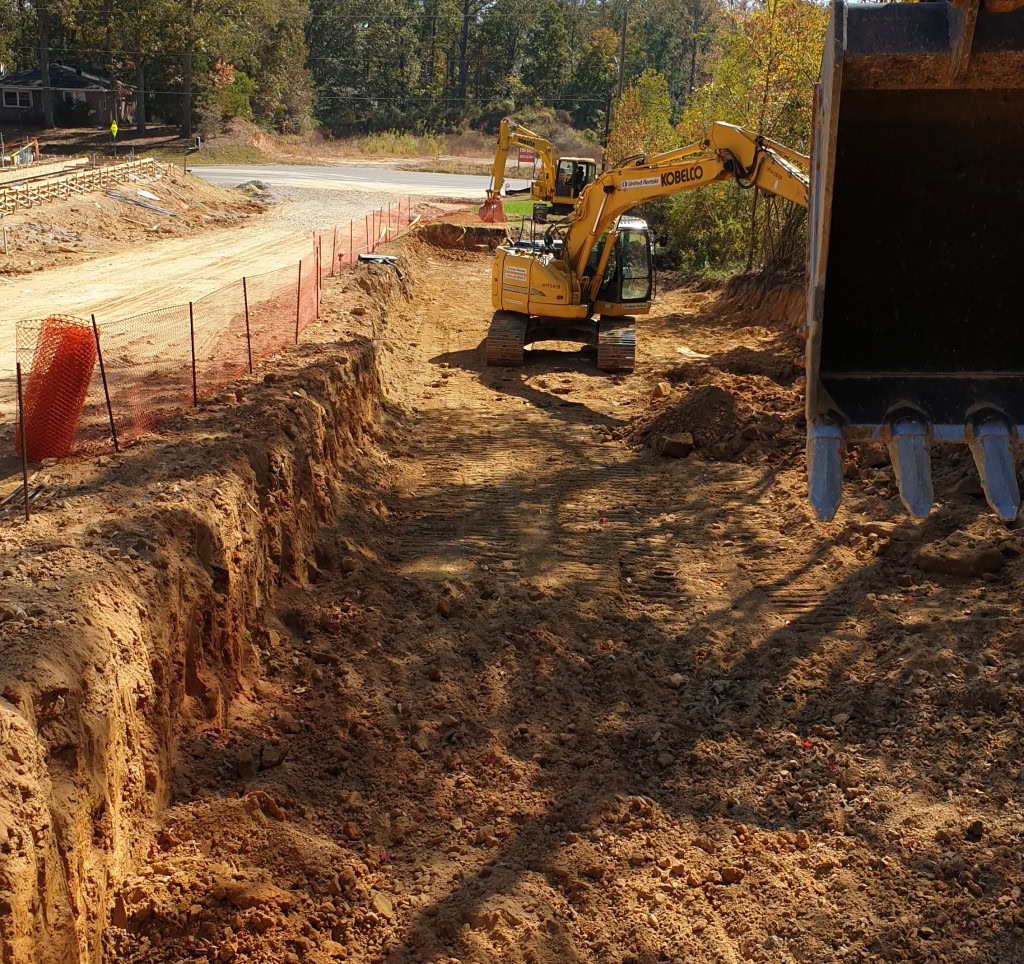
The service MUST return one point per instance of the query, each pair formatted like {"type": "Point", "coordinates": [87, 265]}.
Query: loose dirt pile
{"type": "Point", "coordinates": [90, 225]}
{"type": "Point", "coordinates": [745, 399]}
{"type": "Point", "coordinates": [534, 695]}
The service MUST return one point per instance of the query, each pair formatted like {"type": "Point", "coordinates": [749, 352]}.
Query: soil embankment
{"type": "Point", "coordinates": [134, 613]}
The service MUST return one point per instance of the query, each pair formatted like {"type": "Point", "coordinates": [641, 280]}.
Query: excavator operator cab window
{"type": "Point", "coordinates": [574, 176]}
{"type": "Point", "coordinates": [627, 275]}
{"type": "Point", "coordinates": [636, 265]}
{"type": "Point", "coordinates": [563, 182]}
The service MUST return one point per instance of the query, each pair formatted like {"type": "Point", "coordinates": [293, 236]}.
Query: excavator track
{"type": "Point", "coordinates": [616, 345]}
{"type": "Point", "coordinates": [505, 339]}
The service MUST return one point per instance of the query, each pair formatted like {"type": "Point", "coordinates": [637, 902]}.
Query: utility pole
{"type": "Point", "coordinates": [622, 48]}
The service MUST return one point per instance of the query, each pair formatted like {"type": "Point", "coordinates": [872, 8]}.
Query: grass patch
{"type": "Point", "coordinates": [520, 207]}
{"type": "Point", "coordinates": [448, 165]}
{"type": "Point", "coordinates": [402, 144]}
{"type": "Point", "coordinates": [210, 154]}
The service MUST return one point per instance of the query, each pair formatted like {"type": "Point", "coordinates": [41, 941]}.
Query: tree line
{"type": "Point", "coordinates": [363, 65]}
{"type": "Point", "coordinates": [625, 75]}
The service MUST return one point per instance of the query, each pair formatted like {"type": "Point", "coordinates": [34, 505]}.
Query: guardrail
{"type": "Point", "coordinates": [60, 186]}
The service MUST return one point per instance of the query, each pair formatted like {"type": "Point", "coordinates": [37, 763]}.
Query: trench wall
{"type": "Point", "coordinates": [121, 638]}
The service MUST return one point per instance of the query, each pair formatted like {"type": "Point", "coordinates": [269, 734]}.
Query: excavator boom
{"type": "Point", "coordinates": [728, 152]}
{"type": "Point", "coordinates": [559, 180]}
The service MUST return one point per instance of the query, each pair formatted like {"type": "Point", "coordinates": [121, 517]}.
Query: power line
{"type": "Point", "coordinates": [375, 98]}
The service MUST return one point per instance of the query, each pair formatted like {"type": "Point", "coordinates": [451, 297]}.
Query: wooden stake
{"type": "Point", "coordinates": [248, 337]}
{"type": "Point", "coordinates": [106, 391]}
{"type": "Point", "coordinates": [298, 304]}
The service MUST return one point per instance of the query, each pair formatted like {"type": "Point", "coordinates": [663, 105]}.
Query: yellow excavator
{"type": "Point", "coordinates": [599, 262]}
{"type": "Point", "coordinates": [561, 179]}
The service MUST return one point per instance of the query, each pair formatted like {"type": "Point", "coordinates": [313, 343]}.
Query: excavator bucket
{"type": "Point", "coordinates": [492, 210]}
{"type": "Point", "coordinates": [915, 296]}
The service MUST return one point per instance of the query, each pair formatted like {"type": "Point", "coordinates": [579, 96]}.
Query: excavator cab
{"type": "Point", "coordinates": [915, 295]}
{"type": "Point", "coordinates": [572, 176]}
{"type": "Point", "coordinates": [627, 280]}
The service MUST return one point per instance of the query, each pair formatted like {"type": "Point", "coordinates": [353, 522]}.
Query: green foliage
{"type": "Point", "coordinates": [765, 64]}
{"type": "Point", "coordinates": [641, 120]}
{"type": "Point", "coordinates": [235, 98]}
{"type": "Point", "coordinates": [403, 143]}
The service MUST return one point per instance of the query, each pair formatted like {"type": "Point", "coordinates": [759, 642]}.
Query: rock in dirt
{"type": "Point", "coordinates": [246, 894]}
{"type": "Point", "coordinates": [662, 390]}
{"type": "Point", "coordinates": [731, 875]}
{"type": "Point", "coordinates": [665, 759]}
{"type": "Point", "coordinates": [957, 560]}
{"type": "Point", "coordinates": [975, 831]}
{"type": "Point", "coordinates": [803, 840]}
{"type": "Point", "coordinates": [380, 903]}
{"type": "Point", "coordinates": [676, 681]}
{"type": "Point", "coordinates": [676, 446]}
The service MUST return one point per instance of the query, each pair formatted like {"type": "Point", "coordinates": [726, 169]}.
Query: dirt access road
{"type": "Point", "coordinates": [167, 272]}
{"type": "Point", "coordinates": [551, 698]}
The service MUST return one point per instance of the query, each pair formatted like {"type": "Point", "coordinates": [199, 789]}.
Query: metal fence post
{"type": "Point", "coordinates": [366, 228]}
{"type": "Point", "coordinates": [389, 220]}
{"type": "Point", "coordinates": [192, 339]}
{"type": "Point", "coordinates": [351, 249]}
{"type": "Point", "coordinates": [24, 441]}
{"type": "Point", "coordinates": [106, 391]}
{"type": "Point", "coordinates": [334, 251]}
{"type": "Point", "coordinates": [298, 304]}
{"type": "Point", "coordinates": [248, 337]}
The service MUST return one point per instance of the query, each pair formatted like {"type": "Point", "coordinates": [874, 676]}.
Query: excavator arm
{"type": "Point", "coordinates": [728, 152]}
{"type": "Point", "coordinates": [511, 134]}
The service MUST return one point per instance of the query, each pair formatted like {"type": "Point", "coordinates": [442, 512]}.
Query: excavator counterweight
{"type": "Point", "coordinates": [915, 295]}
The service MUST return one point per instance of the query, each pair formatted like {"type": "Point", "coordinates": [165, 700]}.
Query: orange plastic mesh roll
{"type": "Point", "coordinates": [62, 368]}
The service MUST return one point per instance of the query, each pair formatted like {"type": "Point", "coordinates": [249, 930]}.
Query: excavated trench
{"type": "Point", "coordinates": [390, 656]}
{"type": "Point", "coordinates": [139, 616]}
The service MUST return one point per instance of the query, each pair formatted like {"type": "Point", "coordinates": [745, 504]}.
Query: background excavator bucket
{"type": "Point", "coordinates": [492, 210]}
{"type": "Point", "coordinates": [915, 297]}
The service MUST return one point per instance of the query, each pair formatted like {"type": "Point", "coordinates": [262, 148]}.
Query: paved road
{"type": "Point", "coordinates": [358, 177]}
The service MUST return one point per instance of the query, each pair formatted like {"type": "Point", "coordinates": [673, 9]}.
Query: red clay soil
{"type": "Point", "coordinates": [533, 693]}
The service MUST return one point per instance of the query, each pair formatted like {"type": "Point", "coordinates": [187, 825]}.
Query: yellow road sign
{"type": "Point", "coordinates": [113, 128]}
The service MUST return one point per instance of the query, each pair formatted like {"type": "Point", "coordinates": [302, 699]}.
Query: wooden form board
{"type": "Point", "coordinates": [32, 193]}
{"type": "Point", "coordinates": [29, 172]}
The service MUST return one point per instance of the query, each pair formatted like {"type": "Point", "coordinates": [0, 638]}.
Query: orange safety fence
{"type": "Point", "coordinates": [158, 364]}
{"type": "Point", "coordinates": [59, 375]}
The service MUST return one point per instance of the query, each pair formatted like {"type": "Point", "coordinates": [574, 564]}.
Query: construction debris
{"type": "Point", "coordinates": [124, 198]}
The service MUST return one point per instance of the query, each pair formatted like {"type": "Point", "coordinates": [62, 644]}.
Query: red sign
{"type": "Point", "coordinates": [526, 156]}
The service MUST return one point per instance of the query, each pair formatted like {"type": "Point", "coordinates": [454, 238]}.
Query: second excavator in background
{"type": "Point", "coordinates": [600, 262]}
{"type": "Point", "coordinates": [560, 182]}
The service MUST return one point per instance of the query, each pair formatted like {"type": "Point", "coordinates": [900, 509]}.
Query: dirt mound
{"type": "Point", "coordinates": [778, 300]}
{"type": "Point", "coordinates": [708, 413]}
{"type": "Point", "coordinates": [90, 225]}
{"type": "Point", "coordinates": [464, 237]}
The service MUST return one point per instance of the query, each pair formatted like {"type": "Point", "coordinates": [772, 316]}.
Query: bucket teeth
{"type": "Point", "coordinates": [911, 460]}
{"type": "Point", "coordinates": [825, 469]}
{"type": "Point", "coordinates": [989, 441]}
